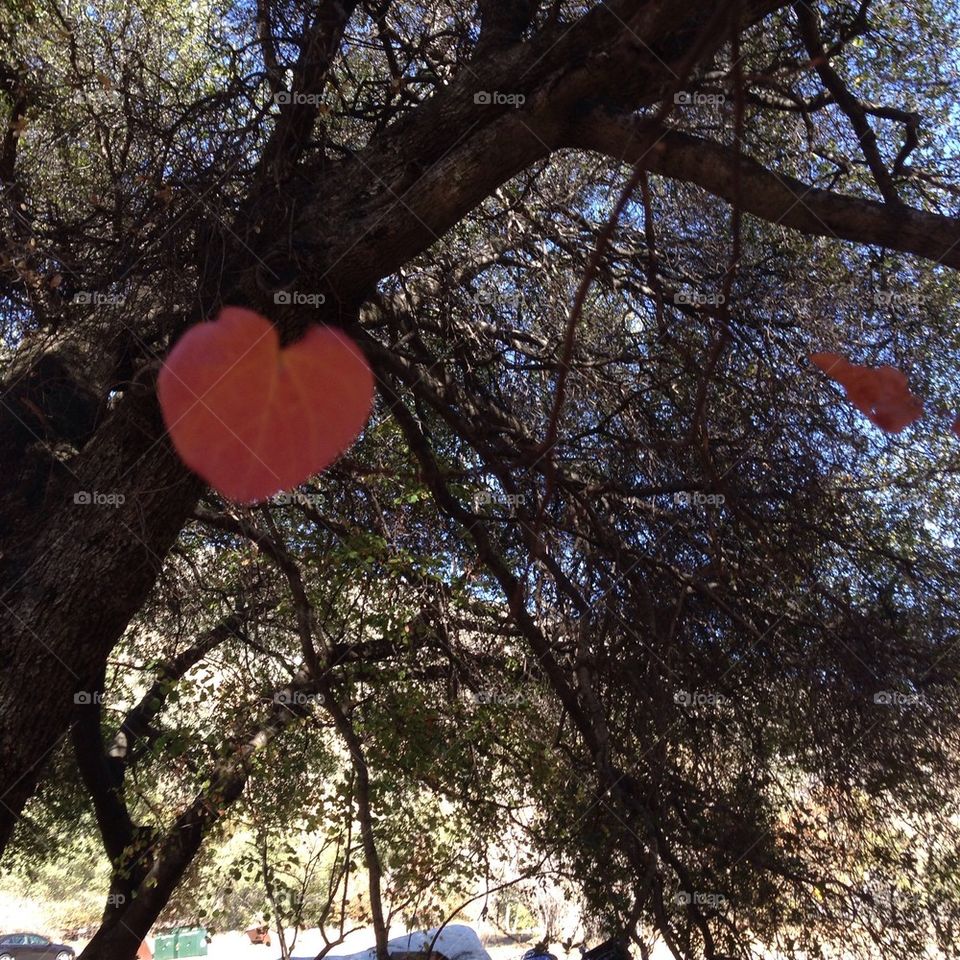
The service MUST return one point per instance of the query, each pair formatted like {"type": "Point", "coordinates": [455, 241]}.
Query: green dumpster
{"type": "Point", "coordinates": [181, 942]}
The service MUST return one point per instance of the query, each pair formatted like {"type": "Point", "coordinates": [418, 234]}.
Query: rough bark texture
{"type": "Point", "coordinates": [66, 602]}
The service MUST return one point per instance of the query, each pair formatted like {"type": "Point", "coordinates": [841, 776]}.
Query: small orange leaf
{"type": "Point", "coordinates": [253, 419]}
{"type": "Point", "coordinates": [881, 393]}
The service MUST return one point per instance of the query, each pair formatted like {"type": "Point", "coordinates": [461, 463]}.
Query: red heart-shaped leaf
{"type": "Point", "coordinates": [881, 393]}
{"type": "Point", "coordinates": [253, 419]}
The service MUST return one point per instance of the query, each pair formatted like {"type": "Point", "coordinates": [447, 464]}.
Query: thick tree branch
{"type": "Point", "coordinates": [775, 197]}
{"type": "Point", "coordinates": [136, 724]}
{"type": "Point", "coordinates": [175, 852]}
{"type": "Point", "coordinates": [100, 779]}
{"type": "Point", "coordinates": [127, 844]}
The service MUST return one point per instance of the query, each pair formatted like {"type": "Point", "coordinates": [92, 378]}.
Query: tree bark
{"type": "Point", "coordinates": [91, 567]}
{"type": "Point", "coordinates": [773, 196]}
{"type": "Point", "coordinates": [176, 850]}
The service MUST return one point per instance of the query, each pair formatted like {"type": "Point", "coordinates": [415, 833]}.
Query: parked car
{"type": "Point", "coordinates": [259, 934]}
{"type": "Point", "coordinates": [539, 952]}
{"type": "Point", "coordinates": [32, 946]}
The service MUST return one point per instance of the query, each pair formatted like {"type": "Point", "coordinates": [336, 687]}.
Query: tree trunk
{"type": "Point", "coordinates": [110, 519]}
